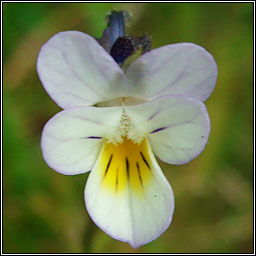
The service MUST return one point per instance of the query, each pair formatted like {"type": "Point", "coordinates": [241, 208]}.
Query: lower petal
{"type": "Point", "coordinates": [127, 194]}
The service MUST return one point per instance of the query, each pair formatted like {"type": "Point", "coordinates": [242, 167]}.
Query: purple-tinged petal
{"type": "Point", "coordinates": [183, 68]}
{"type": "Point", "coordinates": [76, 71]}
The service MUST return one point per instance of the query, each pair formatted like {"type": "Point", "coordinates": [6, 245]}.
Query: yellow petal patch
{"type": "Point", "coordinates": [125, 165]}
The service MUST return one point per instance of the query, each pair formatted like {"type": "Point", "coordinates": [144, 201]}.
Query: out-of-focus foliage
{"type": "Point", "coordinates": [44, 211]}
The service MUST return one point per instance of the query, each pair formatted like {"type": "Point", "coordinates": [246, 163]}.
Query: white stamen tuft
{"type": "Point", "coordinates": [125, 130]}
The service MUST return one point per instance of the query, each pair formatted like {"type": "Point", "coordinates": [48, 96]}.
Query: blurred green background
{"type": "Point", "coordinates": [44, 211]}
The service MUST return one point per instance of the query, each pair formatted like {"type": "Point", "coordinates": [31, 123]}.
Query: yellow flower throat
{"type": "Point", "coordinates": [125, 165]}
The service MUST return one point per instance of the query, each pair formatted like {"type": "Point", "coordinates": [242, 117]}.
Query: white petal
{"type": "Point", "coordinates": [127, 195]}
{"type": "Point", "coordinates": [72, 139]}
{"type": "Point", "coordinates": [76, 71]}
{"type": "Point", "coordinates": [177, 126]}
{"type": "Point", "coordinates": [183, 68]}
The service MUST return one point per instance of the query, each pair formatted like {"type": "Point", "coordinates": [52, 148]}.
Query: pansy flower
{"type": "Point", "coordinates": [116, 123]}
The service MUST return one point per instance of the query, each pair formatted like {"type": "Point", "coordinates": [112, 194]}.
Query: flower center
{"type": "Point", "coordinates": [125, 130]}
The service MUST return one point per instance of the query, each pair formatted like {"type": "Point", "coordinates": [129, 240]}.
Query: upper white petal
{"type": "Point", "coordinates": [177, 127]}
{"type": "Point", "coordinates": [72, 139]}
{"type": "Point", "coordinates": [183, 68]}
{"type": "Point", "coordinates": [76, 71]}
